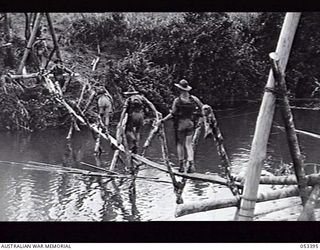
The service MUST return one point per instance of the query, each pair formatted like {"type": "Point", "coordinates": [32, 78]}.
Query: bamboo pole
{"type": "Point", "coordinates": [120, 130]}
{"type": "Point", "coordinates": [30, 42]}
{"type": "Point", "coordinates": [264, 121]}
{"type": "Point", "coordinates": [307, 213]}
{"type": "Point", "coordinates": [155, 128]}
{"type": "Point", "coordinates": [114, 159]}
{"type": "Point", "coordinates": [147, 142]}
{"type": "Point", "coordinates": [223, 154]}
{"type": "Point", "coordinates": [317, 136]}
{"type": "Point", "coordinates": [121, 127]}
{"type": "Point", "coordinates": [178, 186]}
{"type": "Point", "coordinates": [54, 38]}
{"type": "Point", "coordinates": [73, 121]}
{"type": "Point", "coordinates": [212, 204]}
{"type": "Point", "coordinates": [99, 168]}
{"type": "Point", "coordinates": [211, 126]}
{"type": "Point", "coordinates": [196, 137]}
{"type": "Point", "coordinates": [92, 94]}
{"type": "Point", "coordinates": [292, 138]}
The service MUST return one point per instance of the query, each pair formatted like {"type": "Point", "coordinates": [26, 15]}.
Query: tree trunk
{"type": "Point", "coordinates": [54, 38]}
{"type": "Point", "coordinates": [9, 60]}
{"type": "Point", "coordinates": [30, 42]}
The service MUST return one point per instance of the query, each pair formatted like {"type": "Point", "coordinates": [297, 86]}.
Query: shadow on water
{"type": "Point", "coordinates": [33, 195]}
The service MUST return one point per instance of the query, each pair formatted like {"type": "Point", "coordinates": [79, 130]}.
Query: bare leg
{"type": "Point", "coordinates": [106, 122]}
{"type": "Point", "coordinates": [97, 148]}
{"type": "Point", "coordinates": [181, 152]}
{"type": "Point", "coordinates": [189, 148]}
{"type": "Point", "coordinates": [137, 135]}
{"type": "Point", "coordinates": [190, 154]}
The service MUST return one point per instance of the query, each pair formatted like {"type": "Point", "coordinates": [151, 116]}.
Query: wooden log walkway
{"type": "Point", "coordinates": [195, 176]}
{"type": "Point", "coordinates": [211, 204]}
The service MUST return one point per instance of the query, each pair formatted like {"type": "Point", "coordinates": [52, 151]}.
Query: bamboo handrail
{"type": "Point", "coordinates": [317, 136]}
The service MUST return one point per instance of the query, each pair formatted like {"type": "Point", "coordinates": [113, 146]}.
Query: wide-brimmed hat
{"type": "Point", "coordinates": [131, 91]}
{"type": "Point", "coordinates": [184, 85]}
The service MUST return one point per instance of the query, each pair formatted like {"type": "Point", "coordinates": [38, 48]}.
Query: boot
{"type": "Point", "coordinates": [191, 168]}
{"type": "Point", "coordinates": [181, 166]}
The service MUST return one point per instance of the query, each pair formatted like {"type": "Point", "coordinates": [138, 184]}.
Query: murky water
{"type": "Point", "coordinates": [34, 195]}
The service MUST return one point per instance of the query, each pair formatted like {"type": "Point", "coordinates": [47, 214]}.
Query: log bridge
{"type": "Point", "coordinates": [299, 184]}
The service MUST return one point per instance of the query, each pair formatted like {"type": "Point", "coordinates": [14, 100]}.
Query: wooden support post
{"type": "Point", "coordinates": [151, 135]}
{"type": "Point", "coordinates": [292, 138]}
{"type": "Point", "coordinates": [114, 159]}
{"type": "Point", "coordinates": [308, 210]}
{"type": "Point", "coordinates": [178, 186]}
{"type": "Point", "coordinates": [264, 121]}
{"type": "Point", "coordinates": [54, 38]}
{"type": "Point", "coordinates": [74, 121]}
{"type": "Point", "coordinates": [211, 127]}
{"type": "Point", "coordinates": [223, 155]}
{"type": "Point", "coordinates": [196, 137]}
{"type": "Point", "coordinates": [122, 137]}
{"type": "Point", "coordinates": [92, 95]}
{"type": "Point", "coordinates": [30, 42]}
{"type": "Point", "coordinates": [121, 127]}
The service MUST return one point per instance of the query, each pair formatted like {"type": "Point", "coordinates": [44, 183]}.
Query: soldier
{"type": "Point", "coordinates": [105, 106]}
{"type": "Point", "coordinates": [186, 111]}
{"type": "Point", "coordinates": [58, 71]}
{"type": "Point", "coordinates": [136, 112]}
{"type": "Point", "coordinates": [41, 48]}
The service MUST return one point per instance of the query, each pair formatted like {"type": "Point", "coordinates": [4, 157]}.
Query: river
{"type": "Point", "coordinates": [34, 195]}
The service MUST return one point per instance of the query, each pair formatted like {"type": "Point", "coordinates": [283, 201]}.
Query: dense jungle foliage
{"type": "Point", "coordinates": [224, 56]}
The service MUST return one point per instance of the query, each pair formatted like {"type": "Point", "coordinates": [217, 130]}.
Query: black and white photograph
{"type": "Point", "coordinates": [159, 116]}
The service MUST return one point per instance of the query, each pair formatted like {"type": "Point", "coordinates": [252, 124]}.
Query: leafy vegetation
{"type": "Point", "coordinates": [224, 56]}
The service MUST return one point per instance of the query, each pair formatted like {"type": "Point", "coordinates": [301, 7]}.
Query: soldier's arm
{"type": "Point", "coordinates": [172, 112]}
{"type": "Point", "coordinates": [198, 102]}
{"type": "Point", "coordinates": [151, 105]}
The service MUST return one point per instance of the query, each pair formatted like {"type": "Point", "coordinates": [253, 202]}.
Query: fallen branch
{"type": "Point", "coordinates": [95, 63]}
